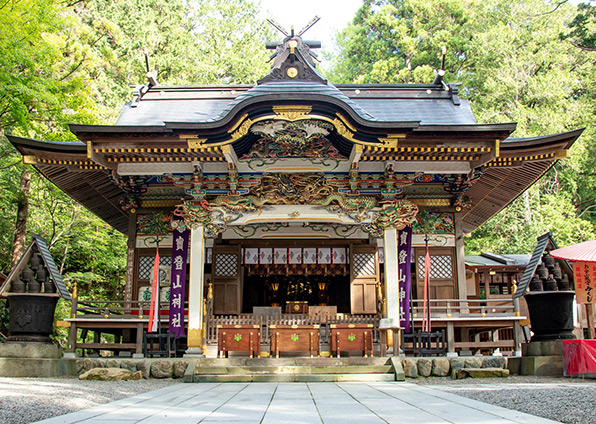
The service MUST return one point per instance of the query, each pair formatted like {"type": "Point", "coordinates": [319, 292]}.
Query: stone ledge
{"type": "Point", "coordinates": [441, 366]}
{"type": "Point", "coordinates": [30, 350]}
{"type": "Point", "coordinates": [479, 373]}
{"type": "Point", "coordinates": [542, 365]}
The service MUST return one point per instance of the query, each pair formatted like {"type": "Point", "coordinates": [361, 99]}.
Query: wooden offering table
{"type": "Point", "coordinates": [296, 307]}
{"type": "Point", "coordinates": [351, 337]}
{"type": "Point", "coordinates": [295, 338]}
{"type": "Point", "coordinates": [238, 338]}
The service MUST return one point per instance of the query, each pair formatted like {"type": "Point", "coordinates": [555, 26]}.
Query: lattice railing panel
{"type": "Point", "coordinates": [146, 265]}
{"type": "Point", "coordinates": [441, 267]}
{"type": "Point", "coordinates": [226, 265]}
{"type": "Point", "coordinates": [364, 264]}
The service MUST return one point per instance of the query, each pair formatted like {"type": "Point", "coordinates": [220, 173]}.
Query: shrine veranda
{"type": "Point", "coordinates": [303, 202]}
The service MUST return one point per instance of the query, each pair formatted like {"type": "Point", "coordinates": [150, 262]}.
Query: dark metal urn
{"type": "Point", "coordinates": [551, 314]}
{"type": "Point", "coordinates": [31, 317]}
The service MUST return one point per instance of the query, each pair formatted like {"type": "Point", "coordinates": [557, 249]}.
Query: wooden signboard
{"type": "Point", "coordinates": [585, 282]}
{"type": "Point", "coordinates": [295, 338]}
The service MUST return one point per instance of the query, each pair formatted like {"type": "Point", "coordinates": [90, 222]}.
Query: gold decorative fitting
{"type": "Point", "coordinates": [346, 123]}
{"type": "Point", "coordinates": [194, 337]}
{"type": "Point", "coordinates": [292, 72]}
{"type": "Point", "coordinates": [293, 43]}
{"type": "Point", "coordinates": [561, 154]}
{"type": "Point", "coordinates": [291, 113]}
{"type": "Point", "coordinates": [294, 214]}
{"type": "Point", "coordinates": [196, 143]}
{"type": "Point", "coordinates": [29, 160]}
{"type": "Point", "coordinates": [391, 140]}
{"type": "Point", "coordinates": [89, 150]}
{"type": "Point", "coordinates": [497, 148]}
{"type": "Point", "coordinates": [342, 129]}
{"type": "Point", "coordinates": [242, 130]}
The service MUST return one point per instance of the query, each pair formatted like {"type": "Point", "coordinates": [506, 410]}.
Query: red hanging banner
{"type": "Point", "coordinates": [153, 314]}
{"type": "Point", "coordinates": [426, 305]}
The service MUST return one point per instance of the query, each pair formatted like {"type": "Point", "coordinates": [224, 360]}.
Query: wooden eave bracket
{"type": "Point", "coordinates": [356, 155]}
{"type": "Point", "coordinates": [99, 159]}
{"type": "Point", "coordinates": [483, 160]}
{"type": "Point", "coordinates": [230, 155]}
{"type": "Point", "coordinates": [29, 159]}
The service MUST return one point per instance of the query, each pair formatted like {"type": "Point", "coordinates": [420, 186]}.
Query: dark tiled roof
{"type": "Point", "coordinates": [513, 260]}
{"type": "Point", "coordinates": [386, 104]}
{"type": "Point", "coordinates": [296, 90]}
{"type": "Point", "coordinates": [427, 111]}
{"type": "Point", "coordinates": [158, 112]}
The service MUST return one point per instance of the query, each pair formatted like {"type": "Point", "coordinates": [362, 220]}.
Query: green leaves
{"type": "Point", "coordinates": [401, 41]}
{"type": "Point", "coordinates": [530, 62]}
{"type": "Point", "coordinates": [63, 63]}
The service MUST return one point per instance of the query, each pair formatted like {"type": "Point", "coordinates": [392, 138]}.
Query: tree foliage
{"type": "Point", "coordinates": [74, 62]}
{"type": "Point", "coordinates": [527, 62]}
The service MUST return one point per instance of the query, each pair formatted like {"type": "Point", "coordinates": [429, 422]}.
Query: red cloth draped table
{"type": "Point", "coordinates": [238, 338]}
{"type": "Point", "coordinates": [579, 358]}
{"type": "Point", "coordinates": [295, 338]}
{"type": "Point", "coordinates": [348, 337]}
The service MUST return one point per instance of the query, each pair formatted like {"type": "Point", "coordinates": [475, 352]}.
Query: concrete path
{"type": "Point", "coordinates": [275, 403]}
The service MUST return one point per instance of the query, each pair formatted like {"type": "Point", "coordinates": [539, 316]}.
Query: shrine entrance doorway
{"type": "Point", "coordinates": [339, 275]}
{"type": "Point", "coordinates": [227, 282]}
{"type": "Point", "coordinates": [364, 276]}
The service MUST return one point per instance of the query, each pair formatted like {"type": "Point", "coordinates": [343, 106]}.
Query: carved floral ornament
{"type": "Point", "coordinates": [295, 189]}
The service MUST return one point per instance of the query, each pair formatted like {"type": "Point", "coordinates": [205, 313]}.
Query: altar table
{"type": "Point", "coordinates": [346, 337]}
{"type": "Point", "coordinates": [238, 338]}
{"type": "Point", "coordinates": [295, 338]}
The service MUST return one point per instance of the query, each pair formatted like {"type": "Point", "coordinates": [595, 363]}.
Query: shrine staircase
{"type": "Point", "coordinates": [294, 369]}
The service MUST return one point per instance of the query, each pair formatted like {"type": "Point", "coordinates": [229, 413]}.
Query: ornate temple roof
{"type": "Point", "coordinates": [413, 128]}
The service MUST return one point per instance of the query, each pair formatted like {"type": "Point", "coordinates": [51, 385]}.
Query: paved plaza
{"type": "Point", "coordinates": [297, 403]}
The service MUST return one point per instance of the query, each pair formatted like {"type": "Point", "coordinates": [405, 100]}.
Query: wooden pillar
{"type": "Point", "coordinates": [590, 321]}
{"type": "Point", "coordinates": [517, 330]}
{"type": "Point", "coordinates": [460, 260]}
{"type": "Point", "coordinates": [130, 256]}
{"type": "Point", "coordinates": [195, 295]}
{"type": "Point", "coordinates": [450, 338]}
{"type": "Point", "coordinates": [391, 278]}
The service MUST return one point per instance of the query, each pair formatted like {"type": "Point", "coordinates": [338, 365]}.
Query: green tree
{"type": "Point", "coordinates": [395, 41]}
{"type": "Point", "coordinates": [523, 62]}
{"type": "Point", "coordinates": [75, 62]}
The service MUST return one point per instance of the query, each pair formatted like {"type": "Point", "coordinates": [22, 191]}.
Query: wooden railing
{"type": "Point", "coordinates": [447, 308]}
{"type": "Point", "coordinates": [501, 317]}
{"type": "Point", "coordinates": [115, 308]}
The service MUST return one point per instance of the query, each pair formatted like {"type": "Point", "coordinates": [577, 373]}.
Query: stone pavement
{"type": "Point", "coordinates": [297, 403]}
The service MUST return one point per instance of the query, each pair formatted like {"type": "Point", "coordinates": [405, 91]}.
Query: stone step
{"type": "Point", "coordinates": [295, 361]}
{"type": "Point", "coordinates": [267, 378]}
{"type": "Point", "coordinates": [294, 369]}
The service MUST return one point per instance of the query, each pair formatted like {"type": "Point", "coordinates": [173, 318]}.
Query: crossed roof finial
{"type": "Point", "coordinates": [281, 29]}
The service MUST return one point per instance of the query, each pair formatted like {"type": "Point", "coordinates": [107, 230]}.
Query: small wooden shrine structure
{"type": "Point", "coordinates": [294, 191]}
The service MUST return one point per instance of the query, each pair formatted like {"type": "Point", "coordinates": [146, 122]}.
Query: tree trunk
{"type": "Point", "coordinates": [22, 214]}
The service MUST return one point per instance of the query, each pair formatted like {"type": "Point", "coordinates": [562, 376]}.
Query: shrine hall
{"type": "Point", "coordinates": [297, 202]}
